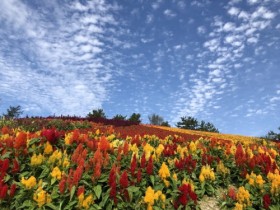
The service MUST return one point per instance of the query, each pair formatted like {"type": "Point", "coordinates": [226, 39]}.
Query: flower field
{"type": "Point", "coordinates": [85, 165]}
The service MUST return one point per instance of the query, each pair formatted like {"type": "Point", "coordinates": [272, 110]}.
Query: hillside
{"type": "Point", "coordinates": [72, 164]}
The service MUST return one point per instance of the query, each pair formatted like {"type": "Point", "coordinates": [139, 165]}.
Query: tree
{"type": "Point", "coordinates": [193, 124]}
{"type": "Point", "coordinates": [119, 117]}
{"type": "Point", "coordinates": [155, 119]}
{"type": "Point", "coordinates": [273, 135]}
{"type": "Point", "coordinates": [165, 123]}
{"type": "Point", "coordinates": [96, 113]}
{"type": "Point", "coordinates": [188, 123]}
{"type": "Point", "coordinates": [135, 118]}
{"type": "Point", "coordinates": [13, 112]}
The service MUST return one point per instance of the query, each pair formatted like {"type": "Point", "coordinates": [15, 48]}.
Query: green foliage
{"type": "Point", "coordinates": [193, 124]}
{"type": "Point", "coordinates": [96, 113]}
{"type": "Point", "coordinates": [119, 117]}
{"type": "Point", "coordinates": [13, 112]}
{"type": "Point", "coordinates": [135, 117]}
{"type": "Point", "coordinates": [273, 135]}
{"type": "Point", "coordinates": [155, 119]}
{"type": "Point", "coordinates": [165, 123]}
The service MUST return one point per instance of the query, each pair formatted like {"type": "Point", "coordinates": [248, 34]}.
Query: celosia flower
{"type": "Point", "coordinates": [150, 166]}
{"type": "Point", "coordinates": [37, 159]}
{"type": "Point", "coordinates": [20, 140]}
{"type": "Point", "coordinates": [15, 168]}
{"type": "Point", "coordinates": [48, 148]}
{"type": "Point", "coordinates": [151, 196]}
{"type": "Point", "coordinates": [3, 191]}
{"type": "Point", "coordinates": [159, 150]}
{"type": "Point", "coordinates": [29, 183]}
{"type": "Point", "coordinates": [186, 195]}
{"type": "Point", "coordinates": [56, 173]}
{"type": "Point", "coordinates": [56, 156]}
{"type": "Point", "coordinates": [206, 174]}
{"type": "Point", "coordinates": [266, 201]}
{"type": "Point", "coordinates": [41, 197]}
{"type": "Point", "coordinates": [164, 171]}
{"type": "Point", "coordinates": [87, 202]}
{"type": "Point", "coordinates": [62, 184]}
{"type": "Point", "coordinates": [243, 197]}
{"type": "Point", "coordinates": [222, 169]}
{"type": "Point", "coordinates": [13, 190]}
{"type": "Point", "coordinates": [124, 180]}
{"type": "Point", "coordinates": [52, 135]}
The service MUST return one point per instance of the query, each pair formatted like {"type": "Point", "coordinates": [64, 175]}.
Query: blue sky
{"type": "Point", "coordinates": [215, 60]}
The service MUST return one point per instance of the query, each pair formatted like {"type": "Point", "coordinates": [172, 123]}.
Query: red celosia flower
{"type": "Point", "coordinates": [15, 168]}
{"type": "Point", "coordinates": [80, 190]}
{"type": "Point", "coordinates": [113, 191]}
{"type": "Point", "coordinates": [112, 176]}
{"type": "Point", "coordinates": [5, 165]}
{"type": "Point", "coordinates": [77, 175]}
{"type": "Point", "coordinates": [125, 148]}
{"type": "Point", "coordinates": [143, 161]}
{"type": "Point", "coordinates": [139, 175]}
{"type": "Point", "coordinates": [62, 185]}
{"type": "Point", "coordinates": [133, 165]}
{"type": "Point", "coordinates": [5, 130]}
{"type": "Point", "coordinates": [3, 191]}
{"type": "Point", "coordinates": [52, 135]}
{"type": "Point", "coordinates": [232, 193]}
{"type": "Point", "coordinates": [124, 180]}
{"type": "Point", "coordinates": [97, 170]}
{"type": "Point", "coordinates": [150, 166]}
{"type": "Point", "coordinates": [20, 140]}
{"type": "Point", "coordinates": [266, 201]}
{"type": "Point", "coordinates": [13, 190]}
{"type": "Point", "coordinates": [186, 194]}
{"type": "Point", "coordinates": [104, 144]}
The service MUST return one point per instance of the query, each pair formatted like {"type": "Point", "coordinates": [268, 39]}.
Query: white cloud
{"type": "Point", "coordinates": [201, 30]}
{"type": "Point", "coordinates": [253, 2]}
{"type": "Point", "coordinates": [252, 40]}
{"type": "Point", "coordinates": [234, 11]}
{"type": "Point", "coordinates": [169, 13]}
{"type": "Point", "coordinates": [263, 12]}
{"type": "Point", "coordinates": [229, 26]}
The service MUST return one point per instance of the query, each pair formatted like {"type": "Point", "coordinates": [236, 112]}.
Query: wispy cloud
{"type": "Point", "coordinates": [58, 62]}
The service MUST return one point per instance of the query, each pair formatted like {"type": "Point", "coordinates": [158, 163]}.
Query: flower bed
{"type": "Point", "coordinates": [133, 167]}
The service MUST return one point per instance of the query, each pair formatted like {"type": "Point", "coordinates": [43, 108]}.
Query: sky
{"type": "Point", "coordinates": [216, 61]}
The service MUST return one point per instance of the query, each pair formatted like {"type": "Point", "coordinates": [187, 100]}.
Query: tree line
{"type": "Point", "coordinates": [186, 122]}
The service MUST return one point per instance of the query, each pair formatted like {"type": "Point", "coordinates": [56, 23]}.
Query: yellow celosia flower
{"type": "Point", "coordinates": [41, 197]}
{"type": "Point", "coordinates": [29, 183]}
{"type": "Point", "coordinates": [206, 174]}
{"type": "Point", "coordinates": [85, 202]}
{"type": "Point", "coordinates": [164, 171]}
{"type": "Point", "coordinates": [148, 149]}
{"type": "Point", "coordinates": [274, 178]}
{"type": "Point", "coordinates": [48, 148]}
{"type": "Point", "coordinates": [192, 147]}
{"type": "Point", "coordinates": [243, 197]}
{"type": "Point", "coordinates": [159, 150]}
{"type": "Point", "coordinates": [56, 173]}
{"type": "Point", "coordinates": [238, 206]}
{"type": "Point", "coordinates": [174, 176]}
{"type": "Point", "coordinates": [222, 169]}
{"type": "Point", "coordinates": [149, 196]}
{"type": "Point", "coordinates": [255, 180]}
{"type": "Point", "coordinates": [233, 149]}
{"type": "Point", "coordinates": [56, 155]}
{"type": "Point", "coordinates": [68, 138]}
{"type": "Point", "coordinates": [166, 183]}
{"type": "Point", "coordinates": [37, 159]}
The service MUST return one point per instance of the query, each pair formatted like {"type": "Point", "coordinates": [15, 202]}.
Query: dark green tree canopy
{"type": "Point", "coordinates": [97, 113]}
{"type": "Point", "coordinates": [119, 117]}
{"type": "Point", "coordinates": [155, 119]}
{"type": "Point", "coordinates": [135, 117]}
{"type": "Point", "coordinates": [193, 124]}
{"type": "Point", "coordinates": [13, 112]}
{"type": "Point", "coordinates": [273, 135]}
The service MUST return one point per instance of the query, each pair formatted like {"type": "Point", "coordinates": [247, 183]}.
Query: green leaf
{"type": "Point", "coordinates": [152, 179]}
{"type": "Point", "coordinates": [73, 189]}
{"type": "Point", "coordinates": [35, 140]}
{"type": "Point", "coordinates": [6, 155]}
{"type": "Point", "coordinates": [133, 189]}
{"type": "Point", "coordinates": [44, 173]}
{"type": "Point", "coordinates": [103, 178]}
{"type": "Point", "coordinates": [97, 190]}
{"type": "Point", "coordinates": [50, 205]}
{"type": "Point", "coordinates": [104, 200]}
{"type": "Point", "coordinates": [53, 180]}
